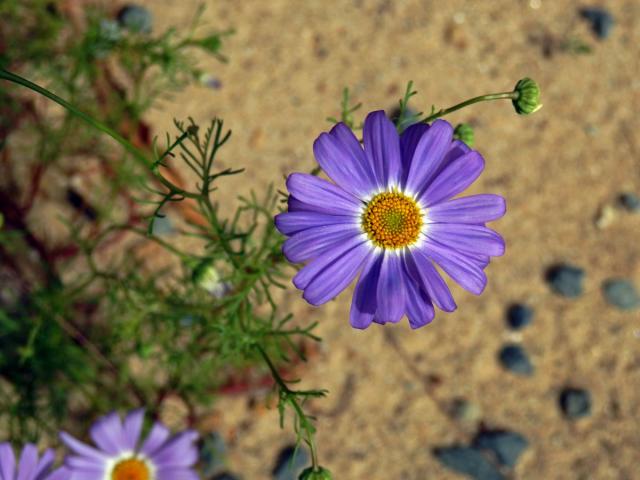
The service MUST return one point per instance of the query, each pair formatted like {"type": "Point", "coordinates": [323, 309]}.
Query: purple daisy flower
{"type": "Point", "coordinates": [391, 216]}
{"type": "Point", "coordinates": [29, 467]}
{"type": "Point", "coordinates": [122, 456]}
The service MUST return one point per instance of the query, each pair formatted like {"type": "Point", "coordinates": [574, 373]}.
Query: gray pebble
{"type": "Point", "coordinates": [630, 201]}
{"type": "Point", "coordinates": [566, 280]}
{"type": "Point", "coordinates": [507, 446]}
{"type": "Point", "coordinates": [515, 359]}
{"type": "Point", "coordinates": [291, 462]}
{"type": "Point", "coordinates": [600, 19]}
{"type": "Point", "coordinates": [519, 316]}
{"type": "Point", "coordinates": [468, 460]}
{"type": "Point", "coordinates": [575, 402]}
{"type": "Point", "coordinates": [621, 293]}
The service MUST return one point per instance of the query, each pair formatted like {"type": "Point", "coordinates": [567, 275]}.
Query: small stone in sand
{"type": "Point", "coordinates": [519, 316]}
{"type": "Point", "coordinates": [621, 293]}
{"type": "Point", "coordinates": [566, 280]}
{"type": "Point", "coordinates": [515, 358]}
{"type": "Point", "coordinates": [507, 446]}
{"type": "Point", "coordinates": [575, 402]}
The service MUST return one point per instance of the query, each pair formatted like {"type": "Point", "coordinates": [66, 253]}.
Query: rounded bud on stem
{"type": "Point", "coordinates": [527, 100]}
{"type": "Point", "coordinates": [315, 474]}
{"type": "Point", "coordinates": [464, 133]}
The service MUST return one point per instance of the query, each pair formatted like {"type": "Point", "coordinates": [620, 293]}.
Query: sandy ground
{"type": "Point", "coordinates": [391, 387]}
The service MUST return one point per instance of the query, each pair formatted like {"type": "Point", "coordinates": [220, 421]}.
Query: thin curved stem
{"type": "Point", "coordinates": [12, 77]}
{"type": "Point", "coordinates": [471, 101]}
{"type": "Point", "coordinates": [290, 397]}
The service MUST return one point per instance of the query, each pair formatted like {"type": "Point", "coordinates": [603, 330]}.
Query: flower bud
{"type": "Point", "coordinates": [319, 474]}
{"type": "Point", "coordinates": [528, 99]}
{"type": "Point", "coordinates": [208, 278]}
{"type": "Point", "coordinates": [464, 133]}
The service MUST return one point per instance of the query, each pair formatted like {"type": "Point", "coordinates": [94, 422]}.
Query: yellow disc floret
{"type": "Point", "coordinates": [392, 220]}
{"type": "Point", "coordinates": [131, 469]}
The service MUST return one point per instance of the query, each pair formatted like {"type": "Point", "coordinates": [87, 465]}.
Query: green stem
{"type": "Point", "coordinates": [128, 146]}
{"type": "Point", "coordinates": [291, 398]}
{"type": "Point", "coordinates": [471, 101]}
{"type": "Point", "coordinates": [12, 77]}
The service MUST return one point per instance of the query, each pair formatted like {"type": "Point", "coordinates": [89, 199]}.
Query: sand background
{"type": "Point", "coordinates": [390, 387]}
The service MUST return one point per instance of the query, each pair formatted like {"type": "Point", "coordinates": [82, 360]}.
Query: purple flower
{"type": "Point", "coordinates": [30, 467]}
{"type": "Point", "coordinates": [122, 456]}
{"type": "Point", "coordinates": [390, 214]}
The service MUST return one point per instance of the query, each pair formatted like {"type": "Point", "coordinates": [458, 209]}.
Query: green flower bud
{"type": "Point", "coordinates": [464, 132]}
{"type": "Point", "coordinates": [528, 99]}
{"type": "Point", "coordinates": [1, 220]}
{"type": "Point", "coordinates": [319, 474]}
{"type": "Point", "coordinates": [208, 278]}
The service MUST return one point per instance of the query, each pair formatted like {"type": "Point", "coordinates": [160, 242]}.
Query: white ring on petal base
{"type": "Point", "coordinates": [129, 455]}
{"type": "Point", "coordinates": [422, 235]}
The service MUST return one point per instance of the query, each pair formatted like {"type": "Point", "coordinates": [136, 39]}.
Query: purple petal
{"type": "Point", "coordinates": [346, 166]}
{"type": "Point", "coordinates": [177, 474]}
{"type": "Point", "coordinates": [418, 305]}
{"type": "Point", "coordinates": [86, 475]}
{"type": "Point", "coordinates": [320, 193]}
{"type": "Point", "coordinates": [461, 269]}
{"type": "Point", "coordinates": [455, 178]}
{"type": "Point", "coordinates": [44, 463]}
{"type": "Point", "coordinates": [363, 303]}
{"type": "Point", "coordinates": [473, 209]}
{"type": "Point", "coordinates": [82, 449]}
{"type": "Point", "coordinates": [7, 461]}
{"type": "Point", "coordinates": [179, 452]}
{"type": "Point", "coordinates": [429, 155]}
{"type": "Point", "coordinates": [85, 463]}
{"type": "Point", "coordinates": [60, 474]}
{"type": "Point", "coordinates": [289, 223]}
{"type": "Point", "coordinates": [296, 205]}
{"type": "Point", "coordinates": [337, 276]}
{"type": "Point", "coordinates": [158, 435]}
{"type": "Point", "coordinates": [132, 428]}
{"type": "Point", "coordinates": [307, 273]}
{"type": "Point", "coordinates": [382, 148]}
{"type": "Point", "coordinates": [310, 243]}
{"type": "Point", "coordinates": [480, 260]}
{"type": "Point", "coordinates": [408, 143]}
{"type": "Point", "coordinates": [474, 239]}
{"type": "Point", "coordinates": [421, 269]}
{"type": "Point", "coordinates": [28, 462]}
{"type": "Point", "coordinates": [107, 434]}
{"type": "Point", "coordinates": [391, 292]}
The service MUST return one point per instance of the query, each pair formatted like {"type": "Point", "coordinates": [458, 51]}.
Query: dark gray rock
{"type": "Point", "coordinates": [135, 18]}
{"type": "Point", "coordinates": [213, 453]}
{"type": "Point", "coordinates": [630, 201]}
{"type": "Point", "coordinates": [515, 359]}
{"type": "Point", "coordinates": [600, 20]}
{"type": "Point", "coordinates": [566, 280]}
{"type": "Point", "coordinates": [575, 403]}
{"type": "Point", "coordinates": [506, 446]}
{"type": "Point", "coordinates": [519, 316]}
{"type": "Point", "coordinates": [225, 476]}
{"type": "Point", "coordinates": [621, 294]}
{"type": "Point", "coordinates": [469, 461]}
{"type": "Point", "coordinates": [291, 462]}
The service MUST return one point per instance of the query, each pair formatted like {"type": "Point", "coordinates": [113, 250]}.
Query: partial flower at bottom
{"type": "Point", "coordinates": [121, 455]}
{"type": "Point", "coordinates": [30, 466]}
{"type": "Point", "coordinates": [390, 216]}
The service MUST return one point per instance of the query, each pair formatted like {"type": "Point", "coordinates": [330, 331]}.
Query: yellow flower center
{"type": "Point", "coordinates": [392, 220]}
{"type": "Point", "coordinates": [131, 469]}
